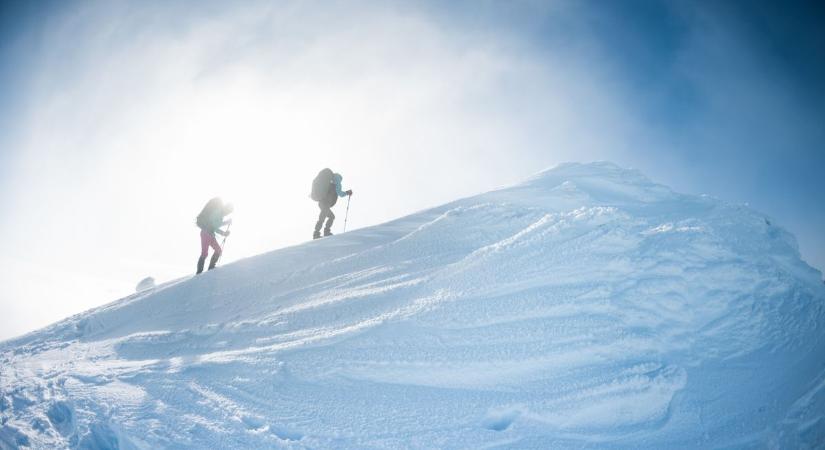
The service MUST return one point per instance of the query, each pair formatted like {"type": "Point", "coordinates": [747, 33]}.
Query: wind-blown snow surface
{"type": "Point", "coordinates": [586, 307]}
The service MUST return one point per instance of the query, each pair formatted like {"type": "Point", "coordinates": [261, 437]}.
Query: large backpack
{"type": "Point", "coordinates": [204, 218]}
{"type": "Point", "coordinates": [320, 185]}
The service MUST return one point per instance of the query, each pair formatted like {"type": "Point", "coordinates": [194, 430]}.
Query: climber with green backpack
{"type": "Point", "coordinates": [326, 188]}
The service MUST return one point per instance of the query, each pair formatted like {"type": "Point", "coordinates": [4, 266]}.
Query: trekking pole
{"type": "Point", "coordinates": [223, 243]}
{"type": "Point", "coordinates": [346, 215]}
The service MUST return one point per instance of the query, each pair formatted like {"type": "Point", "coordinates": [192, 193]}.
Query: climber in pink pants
{"type": "Point", "coordinates": [210, 221]}
{"type": "Point", "coordinates": [209, 240]}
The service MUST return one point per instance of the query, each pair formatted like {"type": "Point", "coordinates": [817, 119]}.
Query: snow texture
{"type": "Point", "coordinates": [586, 307]}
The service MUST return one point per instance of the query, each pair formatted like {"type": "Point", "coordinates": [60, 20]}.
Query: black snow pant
{"type": "Point", "coordinates": [326, 213]}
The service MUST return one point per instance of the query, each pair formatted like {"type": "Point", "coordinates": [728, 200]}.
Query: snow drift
{"type": "Point", "coordinates": [587, 306]}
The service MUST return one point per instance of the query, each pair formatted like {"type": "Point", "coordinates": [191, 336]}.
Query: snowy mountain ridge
{"type": "Point", "coordinates": [585, 306]}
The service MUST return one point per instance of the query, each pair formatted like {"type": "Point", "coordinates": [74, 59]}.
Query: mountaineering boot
{"type": "Point", "coordinates": [316, 234]}
{"type": "Point", "coordinates": [327, 232]}
{"type": "Point", "coordinates": [201, 260]}
{"type": "Point", "coordinates": [214, 260]}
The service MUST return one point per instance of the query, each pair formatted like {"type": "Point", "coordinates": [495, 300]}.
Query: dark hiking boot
{"type": "Point", "coordinates": [214, 260]}
{"type": "Point", "coordinates": [316, 235]}
{"type": "Point", "coordinates": [201, 260]}
{"type": "Point", "coordinates": [327, 232]}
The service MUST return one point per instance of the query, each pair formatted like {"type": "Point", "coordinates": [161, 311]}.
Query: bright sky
{"type": "Point", "coordinates": [119, 120]}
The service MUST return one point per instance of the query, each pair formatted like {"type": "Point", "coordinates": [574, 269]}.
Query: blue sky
{"type": "Point", "coordinates": [119, 119]}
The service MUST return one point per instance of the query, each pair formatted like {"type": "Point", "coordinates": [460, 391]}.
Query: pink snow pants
{"type": "Point", "coordinates": [208, 240]}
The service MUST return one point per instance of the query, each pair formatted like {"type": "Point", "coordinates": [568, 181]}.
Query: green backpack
{"type": "Point", "coordinates": [320, 185]}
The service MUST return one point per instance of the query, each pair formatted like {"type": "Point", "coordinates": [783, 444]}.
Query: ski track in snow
{"type": "Point", "coordinates": [585, 307]}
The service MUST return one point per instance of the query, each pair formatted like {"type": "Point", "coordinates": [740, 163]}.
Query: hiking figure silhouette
{"type": "Point", "coordinates": [326, 189]}
{"type": "Point", "coordinates": [210, 221]}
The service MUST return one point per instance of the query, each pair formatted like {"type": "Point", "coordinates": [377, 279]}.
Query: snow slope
{"type": "Point", "coordinates": [585, 307]}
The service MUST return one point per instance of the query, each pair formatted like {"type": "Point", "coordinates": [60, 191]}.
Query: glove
{"type": "Point", "coordinates": [349, 192]}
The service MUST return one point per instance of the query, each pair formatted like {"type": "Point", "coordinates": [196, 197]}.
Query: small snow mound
{"type": "Point", "coordinates": [145, 284]}
{"type": "Point", "coordinates": [502, 418]}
